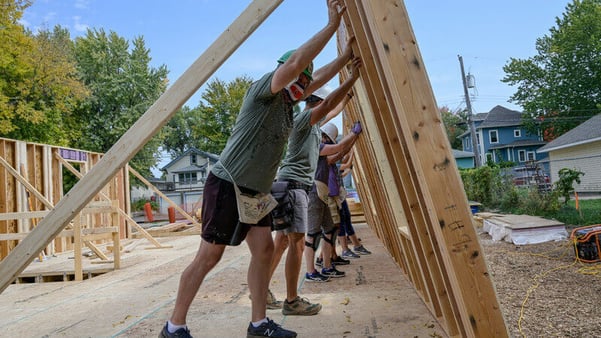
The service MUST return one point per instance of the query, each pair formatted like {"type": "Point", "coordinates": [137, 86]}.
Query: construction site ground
{"type": "Point", "coordinates": [373, 300]}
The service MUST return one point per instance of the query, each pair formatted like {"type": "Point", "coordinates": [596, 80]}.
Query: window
{"type": "Point", "coordinates": [193, 159]}
{"type": "Point", "coordinates": [531, 156]}
{"type": "Point", "coordinates": [494, 136]}
{"type": "Point", "coordinates": [517, 133]}
{"type": "Point", "coordinates": [522, 155]}
{"type": "Point", "coordinates": [187, 178]}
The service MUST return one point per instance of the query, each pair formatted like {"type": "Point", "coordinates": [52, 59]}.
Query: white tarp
{"type": "Point", "coordinates": [512, 230]}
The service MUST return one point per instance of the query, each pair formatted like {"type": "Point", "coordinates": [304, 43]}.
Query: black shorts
{"type": "Point", "coordinates": [220, 224]}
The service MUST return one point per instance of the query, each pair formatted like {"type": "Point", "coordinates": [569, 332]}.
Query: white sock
{"type": "Point", "coordinates": [172, 327]}
{"type": "Point", "coordinates": [257, 324]}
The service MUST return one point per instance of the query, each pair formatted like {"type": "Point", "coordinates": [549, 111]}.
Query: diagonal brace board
{"type": "Point", "coordinates": [135, 138]}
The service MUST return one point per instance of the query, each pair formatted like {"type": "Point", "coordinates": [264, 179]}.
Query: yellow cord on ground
{"type": "Point", "coordinates": [588, 269]}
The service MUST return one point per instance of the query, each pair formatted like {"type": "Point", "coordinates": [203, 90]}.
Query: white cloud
{"type": "Point", "coordinates": [78, 26]}
{"type": "Point", "coordinates": [82, 4]}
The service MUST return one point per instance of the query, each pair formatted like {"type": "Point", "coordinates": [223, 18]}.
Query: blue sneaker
{"type": "Point", "coordinates": [316, 277]}
{"type": "Point", "coordinates": [181, 333]}
{"type": "Point", "coordinates": [269, 329]}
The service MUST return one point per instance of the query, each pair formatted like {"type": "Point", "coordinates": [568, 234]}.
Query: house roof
{"type": "Point", "coordinates": [462, 154]}
{"type": "Point", "coordinates": [497, 117]}
{"type": "Point", "coordinates": [211, 157]}
{"type": "Point", "coordinates": [520, 143]}
{"type": "Point", "coordinates": [587, 132]}
{"type": "Point", "coordinates": [500, 116]}
{"type": "Point", "coordinates": [190, 169]}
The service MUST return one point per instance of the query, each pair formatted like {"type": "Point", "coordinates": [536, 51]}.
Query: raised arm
{"type": "Point", "coordinates": [304, 55]}
{"type": "Point", "coordinates": [338, 98]}
{"type": "Point", "coordinates": [324, 74]}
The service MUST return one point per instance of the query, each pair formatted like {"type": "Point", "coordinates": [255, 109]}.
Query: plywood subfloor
{"type": "Point", "coordinates": [374, 300]}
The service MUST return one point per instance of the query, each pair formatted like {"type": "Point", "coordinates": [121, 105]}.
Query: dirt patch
{"type": "Point", "coordinates": [543, 290]}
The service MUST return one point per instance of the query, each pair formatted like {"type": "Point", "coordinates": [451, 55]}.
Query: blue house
{"type": "Point", "coordinates": [502, 138]}
{"type": "Point", "coordinates": [464, 159]}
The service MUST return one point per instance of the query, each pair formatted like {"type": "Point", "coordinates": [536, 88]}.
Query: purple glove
{"type": "Point", "coordinates": [356, 129]}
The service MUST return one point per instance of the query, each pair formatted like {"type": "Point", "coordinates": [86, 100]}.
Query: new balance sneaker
{"type": "Point", "coordinates": [181, 333]}
{"type": "Point", "coordinates": [300, 307]}
{"type": "Point", "coordinates": [273, 303]}
{"type": "Point", "coordinates": [349, 254]}
{"type": "Point", "coordinates": [316, 277]}
{"type": "Point", "coordinates": [361, 250]}
{"type": "Point", "coordinates": [340, 261]}
{"type": "Point", "coordinates": [332, 272]}
{"type": "Point", "coordinates": [269, 329]}
{"type": "Point", "coordinates": [318, 262]}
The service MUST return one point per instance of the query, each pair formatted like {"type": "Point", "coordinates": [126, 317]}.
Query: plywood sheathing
{"type": "Point", "coordinates": [407, 178]}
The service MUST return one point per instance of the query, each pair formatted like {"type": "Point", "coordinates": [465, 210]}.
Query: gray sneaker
{"type": "Point", "coordinates": [300, 307]}
{"type": "Point", "coordinates": [273, 303]}
{"type": "Point", "coordinates": [361, 250]}
{"type": "Point", "coordinates": [349, 254]}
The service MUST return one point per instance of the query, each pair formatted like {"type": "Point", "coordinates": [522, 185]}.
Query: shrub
{"type": "Point", "coordinates": [138, 205]}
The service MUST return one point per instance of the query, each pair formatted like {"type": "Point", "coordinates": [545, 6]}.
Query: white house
{"type": "Point", "coordinates": [580, 149]}
{"type": "Point", "coordinates": [184, 179]}
{"type": "Point", "coordinates": [189, 170]}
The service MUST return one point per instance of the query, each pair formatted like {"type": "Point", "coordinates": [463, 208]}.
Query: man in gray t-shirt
{"type": "Point", "coordinates": [298, 169]}
{"type": "Point", "coordinates": [249, 163]}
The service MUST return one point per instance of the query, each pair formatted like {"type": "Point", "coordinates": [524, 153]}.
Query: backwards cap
{"type": "Point", "coordinates": [308, 71]}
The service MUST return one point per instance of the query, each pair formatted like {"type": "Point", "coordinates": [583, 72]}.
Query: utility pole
{"type": "Point", "coordinates": [470, 119]}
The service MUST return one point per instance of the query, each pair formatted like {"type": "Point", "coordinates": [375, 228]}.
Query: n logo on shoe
{"type": "Point", "coordinates": [269, 332]}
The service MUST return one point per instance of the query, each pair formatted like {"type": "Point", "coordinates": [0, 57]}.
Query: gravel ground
{"type": "Point", "coordinates": [543, 290]}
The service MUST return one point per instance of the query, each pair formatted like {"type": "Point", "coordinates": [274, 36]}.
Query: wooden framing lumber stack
{"type": "Point", "coordinates": [407, 178]}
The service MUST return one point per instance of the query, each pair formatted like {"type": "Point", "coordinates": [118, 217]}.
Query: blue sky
{"type": "Point", "coordinates": [486, 33]}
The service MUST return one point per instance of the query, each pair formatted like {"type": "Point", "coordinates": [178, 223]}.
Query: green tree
{"type": "Point", "coordinates": [123, 86]}
{"type": "Point", "coordinates": [565, 184]}
{"type": "Point", "coordinates": [38, 80]}
{"type": "Point", "coordinates": [213, 119]}
{"type": "Point", "coordinates": [454, 124]}
{"type": "Point", "coordinates": [178, 132]}
{"type": "Point", "coordinates": [560, 87]}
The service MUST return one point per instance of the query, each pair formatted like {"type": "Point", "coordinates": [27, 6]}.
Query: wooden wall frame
{"type": "Point", "coordinates": [407, 178]}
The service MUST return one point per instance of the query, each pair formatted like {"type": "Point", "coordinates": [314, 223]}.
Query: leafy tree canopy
{"type": "Point", "coordinates": [454, 124]}
{"type": "Point", "coordinates": [560, 87]}
{"type": "Point", "coordinates": [38, 80]}
{"type": "Point", "coordinates": [207, 126]}
{"type": "Point", "coordinates": [122, 87]}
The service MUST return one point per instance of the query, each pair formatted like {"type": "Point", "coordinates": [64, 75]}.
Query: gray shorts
{"type": "Point", "coordinates": [320, 218]}
{"type": "Point", "coordinates": [300, 200]}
